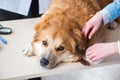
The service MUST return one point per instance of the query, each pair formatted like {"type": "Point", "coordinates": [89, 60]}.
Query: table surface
{"type": "Point", "coordinates": [14, 65]}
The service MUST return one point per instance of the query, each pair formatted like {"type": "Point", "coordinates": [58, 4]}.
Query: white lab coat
{"type": "Point", "coordinates": [22, 6]}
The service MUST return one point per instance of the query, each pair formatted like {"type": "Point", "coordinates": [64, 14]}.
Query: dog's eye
{"type": "Point", "coordinates": [60, 48]}
{"type": "Point", "coordinates": [44, 43]}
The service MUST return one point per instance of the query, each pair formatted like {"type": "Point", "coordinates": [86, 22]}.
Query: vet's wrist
{"type": "Point", "coordinates": [118, 45]}
{"type": "Point", "coordinates": [100, 17]}
{"type": "Point", "coordinates": [115, 47]}
{"type": "Point", "coordinates": [106, 16]}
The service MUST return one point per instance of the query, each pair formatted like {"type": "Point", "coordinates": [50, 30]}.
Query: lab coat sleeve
{"type": "Point", "coordinates": [111, 11]}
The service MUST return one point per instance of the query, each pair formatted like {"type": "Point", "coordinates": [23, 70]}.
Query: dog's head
{"type": "Point", "coordinates": [57, 42]}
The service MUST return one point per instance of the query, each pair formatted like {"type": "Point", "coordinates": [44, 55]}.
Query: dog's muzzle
{"type": "Point", "coordinates": [44, 62]}
{"type": "Point", "coordinates": [48, 61]}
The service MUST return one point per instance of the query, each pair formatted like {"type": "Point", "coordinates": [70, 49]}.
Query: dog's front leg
{"type": "Point", "coordinates": [28, 51]}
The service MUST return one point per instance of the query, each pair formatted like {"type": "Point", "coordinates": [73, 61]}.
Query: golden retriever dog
{"type": "Point", "coordinates": [58, 36]}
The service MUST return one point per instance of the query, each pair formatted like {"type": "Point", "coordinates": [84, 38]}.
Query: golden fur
{"type": "Point", "coordinates": [61, 25]}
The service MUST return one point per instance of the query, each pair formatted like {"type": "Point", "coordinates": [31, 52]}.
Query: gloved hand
{"type": "Point", "coordinates": [92, 25]}
{"type": "Point", "coordinates": [101, 50]}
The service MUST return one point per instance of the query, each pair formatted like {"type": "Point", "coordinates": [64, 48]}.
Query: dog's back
{"type": "Point", "coordinates": [79, 10]}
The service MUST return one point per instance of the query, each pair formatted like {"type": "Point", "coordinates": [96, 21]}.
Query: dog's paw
{"type": "Point", "coordinates": [28, 52]}
{"type": "Point", "coordinates": [113, 25]}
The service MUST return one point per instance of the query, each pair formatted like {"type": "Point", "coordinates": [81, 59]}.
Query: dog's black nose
{"type": "Point", "coordinates": [44, 62]}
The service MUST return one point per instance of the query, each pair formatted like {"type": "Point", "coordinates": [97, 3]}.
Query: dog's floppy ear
{"type": "Point", "coordinates": [80, 44]}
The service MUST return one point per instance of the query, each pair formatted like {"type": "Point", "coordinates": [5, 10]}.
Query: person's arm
{"type": "Point", "coordinates": [106, 15]}
{"type": "Point", "coordinates": [111, 11]}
